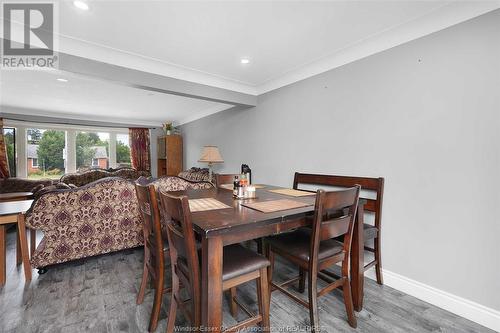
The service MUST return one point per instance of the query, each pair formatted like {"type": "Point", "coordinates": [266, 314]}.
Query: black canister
{"type": "Point", "coordinates": [245, 169]}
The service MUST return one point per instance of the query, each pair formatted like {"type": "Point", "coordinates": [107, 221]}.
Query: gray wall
{"type": "Point", "coordinates": [426, 116]}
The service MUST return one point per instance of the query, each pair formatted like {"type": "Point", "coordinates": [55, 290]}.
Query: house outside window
{"type": "Point", "coordinates": [92, 150]}
{"type": "Point", "coordinates": [44, 149]}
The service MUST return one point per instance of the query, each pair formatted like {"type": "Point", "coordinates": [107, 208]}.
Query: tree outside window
{"type": "Point", "coordinates": [122, 150]}
{"type": "Point", "coordinates": [10, 142]}
{"type": "Point", "coordinates": [45, 149]}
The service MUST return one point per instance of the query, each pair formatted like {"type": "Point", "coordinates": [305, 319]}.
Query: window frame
{"type": "Point", "coordinates": [20, 144]}
{"type": "Point", "coordinates": [33, 163]}
{"type": "Point", "coordinates": [14, 142]}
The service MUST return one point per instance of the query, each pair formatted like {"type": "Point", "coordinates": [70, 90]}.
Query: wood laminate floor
{"type": "Point", "coordinates": [98, 295]}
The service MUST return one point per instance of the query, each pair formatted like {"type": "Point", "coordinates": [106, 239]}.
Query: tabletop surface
{"type": "Point", "coordinates": [15, 195]}
{"type": "Point", "coordinates": [14, 207]}
{"type": "Point", "coordinates": [238, 217]}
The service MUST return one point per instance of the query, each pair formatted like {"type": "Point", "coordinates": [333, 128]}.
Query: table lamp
{"type": "Point", "coordinates": [210, 155]}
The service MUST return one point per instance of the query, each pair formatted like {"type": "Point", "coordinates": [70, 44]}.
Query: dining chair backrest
{"type": "Point", "coordinates": [183, 249]}
{"type": "Point", "coordinates": [368, 184]}
{"type": "Point", "coordinates": [334, 215]}
{"type": "Point", "coordinates": [222, 179]}
{"type": "Point", "coordinates": [151, 222]}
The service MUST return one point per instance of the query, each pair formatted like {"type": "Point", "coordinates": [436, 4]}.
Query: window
{"type": "Point", "coordinates": [92, 149]}
{"type": "Point", "coordinates": [10, 143]}
{"type": "Point", "coordinates": [45, 152]}
{"type": "Point", "coordinates": [122, 151]}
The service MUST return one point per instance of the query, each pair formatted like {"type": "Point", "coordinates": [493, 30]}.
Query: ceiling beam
{"type": "Point", "coordinates": [152, 82]}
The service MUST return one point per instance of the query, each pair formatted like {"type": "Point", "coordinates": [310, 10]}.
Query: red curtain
{"type": "Point", "coordinates": [4, 163]}
{"type": "Point", "coordinates": [139, 148]}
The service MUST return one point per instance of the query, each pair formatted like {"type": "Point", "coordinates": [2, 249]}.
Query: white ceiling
{"type": "Point", "coordinates": [39, 93]}
{"type": "Point", "coordinates": [203, 41]}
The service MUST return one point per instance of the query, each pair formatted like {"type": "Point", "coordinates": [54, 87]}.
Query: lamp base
{"type": "Point", "coordinates": [210, 173]}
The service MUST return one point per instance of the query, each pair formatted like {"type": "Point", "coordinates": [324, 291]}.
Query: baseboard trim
{"type": "Point", "coordinates": [473, 311]}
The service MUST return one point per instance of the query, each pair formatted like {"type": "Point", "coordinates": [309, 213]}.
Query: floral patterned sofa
{"type": "Point", "coordinates": [197, 174]}
{"type": "Point", "coordinates": [93, 219]}
{"type": "Point", "coordinates": [86, 177]}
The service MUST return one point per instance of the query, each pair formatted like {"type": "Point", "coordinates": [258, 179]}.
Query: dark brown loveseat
{"type": "Point", "coordinates": [87, 177]}
{"type": "Point", "coordinates": [11, 185]}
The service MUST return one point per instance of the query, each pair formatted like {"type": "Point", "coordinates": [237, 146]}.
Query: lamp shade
{"type": "Point", "coordinates": [211, 154]}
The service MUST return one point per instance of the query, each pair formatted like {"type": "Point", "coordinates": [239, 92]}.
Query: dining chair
{"type": "Point", "coordinates": [240, 265]}
{"type": "Point", "coordinates": [315, 250]}
{"type": "Point", "coordinates": [155, 248]}
{"type": "Point", "coordinates": [370, 186]}
{"type": "Point", "coordinates": [223, 179]}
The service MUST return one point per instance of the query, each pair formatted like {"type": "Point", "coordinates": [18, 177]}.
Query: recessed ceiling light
{"type": "Point", "coordinates": [62, 80]}
{"type": "Point", "coordinates": [81, 5]}
{"type": "Point", "coordinates": [245, 61]}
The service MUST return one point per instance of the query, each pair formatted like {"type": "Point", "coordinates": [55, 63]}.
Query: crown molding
{"type": "Point", "coordinates": [439, 19]}
{"type": "Point", "coordinates": [18, 113]}
{"type": "Point", "coordinates": [15, 113]}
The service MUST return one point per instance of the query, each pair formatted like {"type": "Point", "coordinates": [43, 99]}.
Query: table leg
{"type": "Point", "coordinates": [24, 246]}
{"type": "Point", "coordinates": [358, 260]}
{"type": "Point", "coordinates": [211, 284]}
{"type": "Point", "coordinates": [3, 270]}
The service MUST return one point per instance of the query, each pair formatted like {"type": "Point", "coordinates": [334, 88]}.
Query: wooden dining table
{"type": "Point", "coordinates": [220, 227]}
{"type": "Point", "coordinates": [13, 213]}
{"type": "Point", "coordinates": [15, 196]}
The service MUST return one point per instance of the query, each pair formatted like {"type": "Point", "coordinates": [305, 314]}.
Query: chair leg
{"type": "Point", "coordinates": [232, 303]}
{"type": "Point", "coordinates": [32, 242]}
{"type": "Point", "coordinates": [270, 256]}
{"type": "Point", "coordinates": [173, 302]}
{"type": "Point", "coordinates": [302, 280]}
{"type": "Point", "coordinates": [313, 301]}
{"type": "Point", "coordinates": [378, 258]}
{"type": "Point", "coordinates": [3, 270]}
{"type": "Point", "coordinates": [19, 258]}
{"type": "Point", "coordinates": [263, 296]}
{"type": "Point", "coordinates": [260, 246]}
{"type": "Point", "coordinates": [155, 312]}
{"type": "Point", "coordinates": [349, 307]}
{"type": "Point", "coordinates": [142, 288]}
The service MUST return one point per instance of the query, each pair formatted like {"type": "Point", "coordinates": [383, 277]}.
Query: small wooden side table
{"type": "Point", "coordinates": [15, 196]}
{"type": "Point", "coordinates": [13, 212]}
